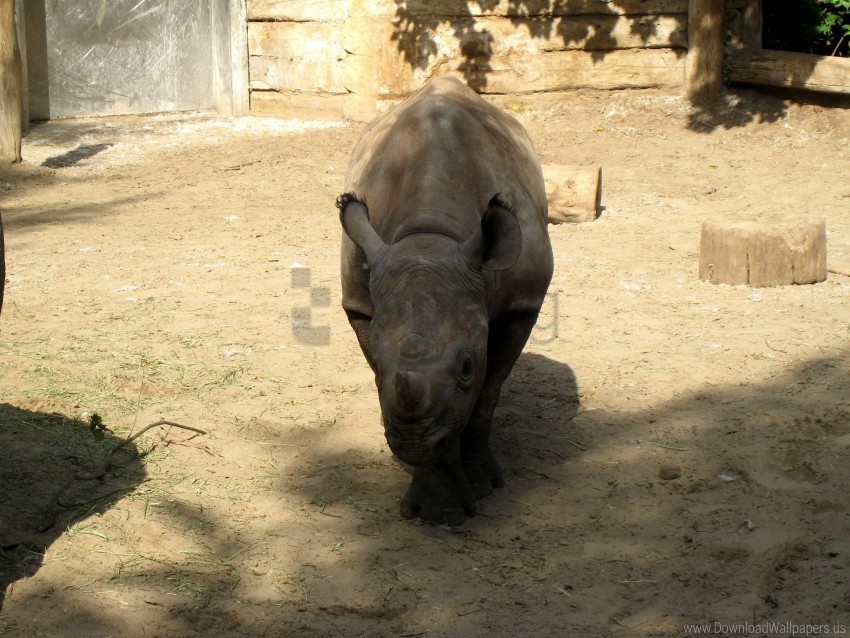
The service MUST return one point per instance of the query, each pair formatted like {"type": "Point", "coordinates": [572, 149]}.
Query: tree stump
{"type": "Point", "coordinates": [574, 193]}
{"type": "Point", "coordinates": [763, 251]}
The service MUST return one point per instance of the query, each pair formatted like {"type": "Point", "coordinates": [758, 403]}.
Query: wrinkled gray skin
{"type": "Point", "coordinates": [445, 263]}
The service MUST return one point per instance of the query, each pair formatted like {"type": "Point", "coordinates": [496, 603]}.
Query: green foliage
{"type": "Point", "coordinates": [808, 26]}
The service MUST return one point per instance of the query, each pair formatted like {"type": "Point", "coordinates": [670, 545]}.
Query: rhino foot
{"type": "Point", "coordinates": [438, 495]}
{"type": "Point", "coordinates": [483, 473]}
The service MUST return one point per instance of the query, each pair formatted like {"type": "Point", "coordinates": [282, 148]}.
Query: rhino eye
{"type": "Point", "coordinates": [465, 369]}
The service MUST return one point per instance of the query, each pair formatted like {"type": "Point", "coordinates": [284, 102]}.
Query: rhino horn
{"type": "Point", "coordinates": [410, 392]}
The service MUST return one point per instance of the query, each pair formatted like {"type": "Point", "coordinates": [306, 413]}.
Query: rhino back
{"type": "Point", "coordinates": [431, 164]}
{"type": "Point", "coordinates": [435, 161]}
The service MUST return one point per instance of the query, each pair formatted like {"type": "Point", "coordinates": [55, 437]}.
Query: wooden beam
{"type": "Point", "coordinates": [10, 86]}
{"type": "Point", "coordinates": [794, 70]}
{"type": "Point", "coordinates": [704, 65]}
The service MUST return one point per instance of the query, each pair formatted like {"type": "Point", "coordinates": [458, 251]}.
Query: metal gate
{"type": "Point", "coordinates": [107, 57]}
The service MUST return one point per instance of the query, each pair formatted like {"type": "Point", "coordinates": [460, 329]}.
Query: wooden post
{"type": "Point", "coordinates": [704, 65]}
{"type": "Point", "coordinates": [24, 83]}
{"type": "Point", "coordinates": [752, 24]}
{"type": "Point", "coordinates": [10, 86]}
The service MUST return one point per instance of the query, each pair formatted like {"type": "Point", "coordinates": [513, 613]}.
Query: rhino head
{"type": "Point", "coordinates": [428, 334]}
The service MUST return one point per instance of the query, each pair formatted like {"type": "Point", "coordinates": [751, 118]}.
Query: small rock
{"type": "Point", "coordinates": [670, 472]}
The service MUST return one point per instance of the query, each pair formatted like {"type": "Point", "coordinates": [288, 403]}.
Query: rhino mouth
{"type": "Point", "coordinates": [413, 449]}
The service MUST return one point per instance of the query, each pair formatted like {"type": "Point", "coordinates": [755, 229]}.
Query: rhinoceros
{"type": "Point", "coordinates": [446, 261]}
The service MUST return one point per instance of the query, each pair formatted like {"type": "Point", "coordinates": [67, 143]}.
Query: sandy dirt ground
{"type": "Point", "coordinates": [676, 453]}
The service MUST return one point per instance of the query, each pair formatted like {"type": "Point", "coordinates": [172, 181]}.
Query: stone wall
{"type": "Point", "coordinates": [352, 58]}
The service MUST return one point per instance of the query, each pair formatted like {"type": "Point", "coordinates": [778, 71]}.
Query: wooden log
{"type": "Point", "coordinates": [704, 65]}
{"type": "Point", "coordinates": [574, 193]}
{"type": "Point", "coordinates": [568, 70]}
{"type": "Point", "coordinates": [302, 105]}
{"type": "Point", "coordinates": [794, 70]}
{"type": "Point", "coordinates": [297, 10]}
{"type": "Point", "coordinates": [772, 250]}
{"type": "Point", "coordinates": [10, 85]}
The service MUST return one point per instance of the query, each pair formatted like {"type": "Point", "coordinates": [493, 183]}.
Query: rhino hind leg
{"type": "Point", "coordinates": [508, 336]}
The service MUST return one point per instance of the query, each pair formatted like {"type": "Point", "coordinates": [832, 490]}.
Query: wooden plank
{"type": "Point", "coordinates": [704, 74]}
{"type": "Point", "coordinates": [10, 85]}
{"type": "Point", "coordinates": [566, 70]}
{"type": "Point", "coordinates": [313, 106]}
{"type": "Point", "coordinates": [296, 56]}
{"type": "Point", "coordinates": [297, 10]}
{"type": "Point", "coordinates": [590, 33]}
{"type": "Point", "coordinates": [308, 106]}
{"type": "Point", "coordinates": [448, 9]}
{"type": "Point", "coordinates": [794, 70]}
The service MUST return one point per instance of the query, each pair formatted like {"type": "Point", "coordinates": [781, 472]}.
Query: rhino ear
{"type": "Point", "coordinates": [496, 245]}
{"type": "Point", "coordinates": [354, 217]}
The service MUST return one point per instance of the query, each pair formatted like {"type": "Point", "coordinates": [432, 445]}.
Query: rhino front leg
{"type": "Point", "coordinates": [508, 336]}
{"type": "Point", "coordinates": [439, 492]}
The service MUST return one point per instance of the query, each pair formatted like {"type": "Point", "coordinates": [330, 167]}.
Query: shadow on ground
{"type": "Point", "coordinates": [20, 219]}
{"type": "Point", "coordinates": [725, 504]}
{"type": "Point", "coordinates": [740, 106]}
{"type": "Point", "coordinates": [74, 156]}
{"type": "Point", "coordinates": [40, 454]}
{"type": "Point", "coordinates": [612, 520]}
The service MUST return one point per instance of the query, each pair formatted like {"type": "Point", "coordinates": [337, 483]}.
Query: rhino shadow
{"type": "Point", "coordinates": [755, 504]}
{"type": "Point", "coordinates": [539, 401]}
{"type": "Point", "coordinates": [39, 452]}
{"type": "Point", "coordinates": [531, 427]}
{"type": "Point", "coordinates": [583, 507]}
